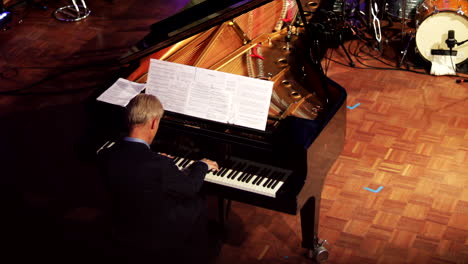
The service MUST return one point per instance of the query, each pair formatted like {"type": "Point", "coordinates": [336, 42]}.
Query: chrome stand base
{"type": "Point", "coordinates": [71, 14]}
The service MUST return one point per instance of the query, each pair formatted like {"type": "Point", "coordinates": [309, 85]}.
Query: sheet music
{"type": "Point", "coordinates": [212, 95]}
{"type": "Point", "coordinates": [121, 92]}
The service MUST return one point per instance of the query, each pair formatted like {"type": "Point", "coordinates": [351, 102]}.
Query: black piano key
{"type": "Point", "coordinates": [245, 177]}
{"type": "Point", "coordinates": [217, 173]}
{"type": "Point", "coordinates": [252, 173]}
{"type": "Point", "coordinates": [181, 160]}
{"type": "Point", "coordinates": [233, 177]}
{"type": "Point", "coordinates": [256, 171]}
{"type": "Point", "coordinates": [247, 180]}
{"type": "Point", "coordinates": [236, 171]}
{"type": "Point", "coordinates": [261, 175]}
{"type": "Point", "coordinates": [266, 175]}
{"type": "Point", "coordinates": [267, 179]}
{"type": "Point", "coordinates": [224, 172]}
{"type": "Point", "coordinates": [275, 179]}
{"type": "Point", "coordinates": [262, 181]}
{"type": "Point", "coordinates": [227, 167]}
{"type": "Point", "coordinates": [245, 174]}
{"type": "Point", "coordinates": [184, 164]}
{"type": "Point", "coordinates": [278, 180]}
{"type": "Point", "coordinates": [231, 173]}
{"type": "Point", "coordinates": [242, 176]}
{"type": "Point", "coordinates": [270, 178]}
{"type": "Point", "coordinates": [259, 180]}
{"type": "Point", "coordinates": [176, 159]}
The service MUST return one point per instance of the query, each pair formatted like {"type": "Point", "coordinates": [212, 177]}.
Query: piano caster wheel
{"type": "Point", "coordinates": [319, 254]}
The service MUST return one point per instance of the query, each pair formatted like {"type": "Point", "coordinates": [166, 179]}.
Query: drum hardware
{"type": "Point", "coordinates": [376, 23]}
{"type": "Point", "coordinates": [404, 52]}
{"type": "Point", "coordinates": [72, 13]}
{"type": "Point", "coordinates": [444, 52]}
{"type": "Point", "coordinates": [423, 5]}
{"type": "Point", "coordinates": [332, 29]}
{"type": "Point", "coordinates": [403, 17]}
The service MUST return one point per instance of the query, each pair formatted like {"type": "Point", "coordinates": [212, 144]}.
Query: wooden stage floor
{"type": "Point", "coordinates": [407, 136]}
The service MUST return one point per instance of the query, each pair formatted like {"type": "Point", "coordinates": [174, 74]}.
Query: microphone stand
{"type": "Point", "coordinates": [461, 43]}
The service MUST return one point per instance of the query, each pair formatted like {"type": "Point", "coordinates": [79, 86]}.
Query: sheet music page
{"type": "Point", "coordinates": [209, 94]}
{"type": "Point", "coordinates": [121, 92]}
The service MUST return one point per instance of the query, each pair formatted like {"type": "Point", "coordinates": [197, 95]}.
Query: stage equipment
{"type": "Point", "coordinates": [72, 13]}
{"type": "Point", "coordinates": [435, 19]}
{"type": "Point", "coordinates": [330, 28]}
{"type": "Point", "coordinates": [5, 18]}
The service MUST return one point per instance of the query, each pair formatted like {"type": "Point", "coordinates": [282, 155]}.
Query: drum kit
{"type": "Point", "coordinates": [434, 27]}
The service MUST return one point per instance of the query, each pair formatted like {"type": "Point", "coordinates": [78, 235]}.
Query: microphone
{"type": "Point", "coordinates": [451, 41]}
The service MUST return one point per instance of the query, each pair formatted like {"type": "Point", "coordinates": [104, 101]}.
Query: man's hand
{"type": "Point", "coordinates": [166, 155]}
{"type": "Point", "coordinates": [212, 165]}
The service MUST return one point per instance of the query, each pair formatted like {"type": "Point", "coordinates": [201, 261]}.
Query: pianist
{"type": "Point", "coordinates": [157, 212]}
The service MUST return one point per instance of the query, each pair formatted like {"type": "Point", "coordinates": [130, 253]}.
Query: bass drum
{"type": "Point", "coordinates": [434, 19]}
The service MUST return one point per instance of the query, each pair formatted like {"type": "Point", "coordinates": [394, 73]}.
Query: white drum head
{"type": "Point", "coordinates": [433, 32]}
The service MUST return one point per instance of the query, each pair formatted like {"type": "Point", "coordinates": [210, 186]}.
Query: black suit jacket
{"type": "Point", "coordinates": [154, 204]}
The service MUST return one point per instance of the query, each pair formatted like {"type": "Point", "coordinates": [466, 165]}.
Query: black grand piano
{"type": "Point", "coordinates": [284, 167]}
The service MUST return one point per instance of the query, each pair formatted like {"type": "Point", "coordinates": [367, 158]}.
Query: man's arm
{"type": "Point", "coordinates": [189, 182]}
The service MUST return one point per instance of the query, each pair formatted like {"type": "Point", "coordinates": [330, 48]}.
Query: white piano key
{"type": "Point", "coordinates": [234, 182]}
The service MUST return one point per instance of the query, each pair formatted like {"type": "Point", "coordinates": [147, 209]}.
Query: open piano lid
{"type": "Point", "coordinates": [196, 17]}
{"type": "Point", "coordinates": [298, 103]}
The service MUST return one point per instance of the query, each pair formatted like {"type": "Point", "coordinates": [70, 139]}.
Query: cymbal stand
{"type": "Point", "coordinates": [403, 17]}
{"type": "Point", "coordinates": [404, 36]}
{"type": "Point", "coordinates": [73, 12]}
{"type": "Point", "coordinates": [409, 38]}
{"type": "Point", "coordinates": [338, 27]}
{"type": "Point", "coordinates": [341, 41]}
{"type": "Point", "coordinates": [375, 24]}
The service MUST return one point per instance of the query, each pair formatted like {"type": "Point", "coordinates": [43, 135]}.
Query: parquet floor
{"type": "Point", "coordinates": [409, 135]}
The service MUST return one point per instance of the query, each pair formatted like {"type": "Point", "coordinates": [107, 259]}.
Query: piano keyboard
{"type": "Point", "coordinates": [244, 175]}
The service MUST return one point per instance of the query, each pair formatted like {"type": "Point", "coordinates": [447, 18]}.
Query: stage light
{"type": "Point", "coordinates": [5, 18]}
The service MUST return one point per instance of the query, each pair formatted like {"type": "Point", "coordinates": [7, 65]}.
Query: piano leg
{"type": "Point", "coordinates": [223, 210]}
{"type": "Point", "coordinates": [310, 240]}
{"type": "Point", "coordinates": [223, 215]}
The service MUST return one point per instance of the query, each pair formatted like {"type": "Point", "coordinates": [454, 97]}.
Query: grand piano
{"type": "Point", "coordinates": [284, 167]}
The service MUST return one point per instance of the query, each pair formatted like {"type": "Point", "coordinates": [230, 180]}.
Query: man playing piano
{"type": "Point", "coordinates": [158, 214]}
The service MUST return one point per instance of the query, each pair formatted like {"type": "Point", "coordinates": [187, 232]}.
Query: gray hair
{"type": "Point", "coordinates": [143, 108]}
